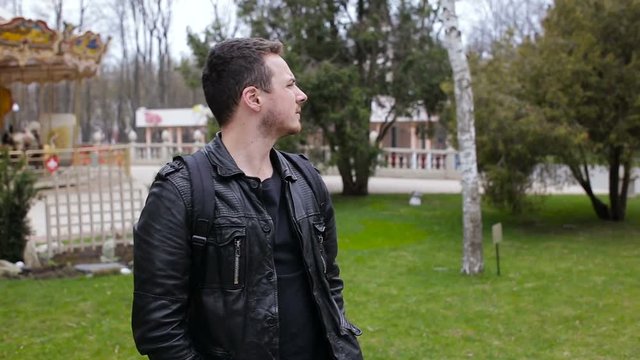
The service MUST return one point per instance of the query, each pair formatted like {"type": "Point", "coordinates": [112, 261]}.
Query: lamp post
{"type": "Point", "coordinates": [166, 141]}
{"type": "Point", "coordinates": [198, 137]}
{"type": "Point", "coordinates": [15, 108]}
{"type": "Point", "coordinates": [133, 136]}
{"type": "Point", "coordinates": [97, 137]}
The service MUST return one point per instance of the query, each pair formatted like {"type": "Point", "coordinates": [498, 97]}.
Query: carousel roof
{"type": "Point", "coordinates": [32, 52]}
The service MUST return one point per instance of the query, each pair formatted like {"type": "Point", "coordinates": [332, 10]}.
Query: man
{"type": "Point", "coordinates": [269, 287]}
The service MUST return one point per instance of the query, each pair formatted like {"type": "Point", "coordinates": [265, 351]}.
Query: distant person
{"type": "Point", "coordinates": [37, 143]}
{"type": "Point", "coordinates": [262, 282]}
{"type": "Point", "coordinates": [7, 138]}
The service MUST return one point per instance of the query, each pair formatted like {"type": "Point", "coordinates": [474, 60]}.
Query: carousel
{"type": "Point", "coordinates": [32, 52]}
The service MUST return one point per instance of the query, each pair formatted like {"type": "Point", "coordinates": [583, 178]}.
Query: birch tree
{"type": "Point", "coordinates": [472, 259]}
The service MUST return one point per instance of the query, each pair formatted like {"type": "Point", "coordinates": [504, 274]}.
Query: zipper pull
{"type": "Point", "coordinates": [236, 265]}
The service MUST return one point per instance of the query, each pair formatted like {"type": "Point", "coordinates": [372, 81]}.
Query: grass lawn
{"type": "Point", "coordinates": [570, 289]}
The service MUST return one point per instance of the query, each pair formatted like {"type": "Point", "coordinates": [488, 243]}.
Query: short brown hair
{"type": "Point", "coordinates": [231, 66]}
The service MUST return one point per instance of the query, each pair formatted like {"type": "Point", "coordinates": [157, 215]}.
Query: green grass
{"type": "Point", "coordinates": [570, 289]}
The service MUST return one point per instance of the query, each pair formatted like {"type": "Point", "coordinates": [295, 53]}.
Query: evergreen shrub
{"type": "Point", "coordinates": [17, 191]}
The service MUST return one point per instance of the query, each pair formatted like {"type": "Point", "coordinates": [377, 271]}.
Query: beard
{"type": "Point", "coordinates": [272, 125]}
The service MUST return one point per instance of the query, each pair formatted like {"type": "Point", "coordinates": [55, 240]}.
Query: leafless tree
{"type": "Point", "coordinates": [82, 12]}
{"type": "Point", "coordinates": [138, 70]}
{"type": "Point", "coordinates": [164, 59]}
{"type": "Point", "coordinates": [57, 6]}
{"type": "Point", "coordinates": [14, 6]}
{"type": "Point", "coordinates": [123, 74]}
{"type": "Point", "coordinates": [495, 19]}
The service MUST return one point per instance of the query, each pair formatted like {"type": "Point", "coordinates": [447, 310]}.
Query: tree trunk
{"type": "Point", "coordinates": [88, 102]}
{"type": "Point", "coordinates": [138, 74]}
{"type": "Point", "coordinates": [57, 11]}
{"type": "Point", "coordinates": [601, 209]}
{"type": "Point", "coordinates": [617, 190]}
{"type": "Point", "coordinates": [624, 191]}
{"type": "Point", "coordinates": [351, 185]}
{"type": "Point", "coordinates": [472, 259]}
{"type": "Point", "coordinates": [77, 110]}
{"type": "Point", "coordinates": [121, 108]}
{"type": "Point", "coordinates": [163, 51]}
{"type": "Point", "coordinates": [614, 180]}
{"type": "Point", "coordinates": [362, 165]}
{"type": "Point", "coordinates": [356, 187]}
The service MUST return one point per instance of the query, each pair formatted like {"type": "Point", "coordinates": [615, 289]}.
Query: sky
{"type": "Point", "coordinates": [196, 14]}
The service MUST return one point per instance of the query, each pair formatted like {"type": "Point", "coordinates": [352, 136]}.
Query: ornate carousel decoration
{"type": "Point", "coordinates": [30, 51]}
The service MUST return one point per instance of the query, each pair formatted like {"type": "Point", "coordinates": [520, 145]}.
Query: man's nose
{"type": "Point", "coordinates": [302, 97]}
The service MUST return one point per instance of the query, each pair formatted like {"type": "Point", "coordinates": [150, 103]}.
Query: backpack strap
{"type": "Point", "coordinates": [311, 176]}
{"type": "Point", "coordinates": [202, 208]}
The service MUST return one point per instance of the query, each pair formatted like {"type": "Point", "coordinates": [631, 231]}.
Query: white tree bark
{"type": "Point", "coordinates": [472, 259]}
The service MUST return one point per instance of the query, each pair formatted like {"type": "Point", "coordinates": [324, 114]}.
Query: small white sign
{"type": "Point", "coordinates": [496, 231]}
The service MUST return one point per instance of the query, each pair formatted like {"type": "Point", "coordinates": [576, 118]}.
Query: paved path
{"type": "Point", "coordinates": [144, 175]}
{"type": "Point", "coordinates": [377, 185]}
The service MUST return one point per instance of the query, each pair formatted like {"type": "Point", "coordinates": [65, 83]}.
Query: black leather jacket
{"type": "Point", "coordinates": [232, 313]}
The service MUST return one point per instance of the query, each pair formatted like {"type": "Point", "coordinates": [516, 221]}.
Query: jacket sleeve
{"type": "Point", "coordinates": [162, 261]}
{"type": "Point", "coordinates": [331, 247]}
{"type": "Point", "coordinates": [336, 285]}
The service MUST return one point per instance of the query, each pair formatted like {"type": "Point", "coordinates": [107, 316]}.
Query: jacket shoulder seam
{"type": "Point", "coordinates": [182, 192]}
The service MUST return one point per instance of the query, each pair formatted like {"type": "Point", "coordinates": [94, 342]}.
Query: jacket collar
{"type": "Point", "coordinates": [282, 165]}
{"type": "Point", "coordinates": [226, 166]}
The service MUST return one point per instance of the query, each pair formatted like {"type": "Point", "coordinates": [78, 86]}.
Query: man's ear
{"type": "Point", "coordinates": [251, 98]}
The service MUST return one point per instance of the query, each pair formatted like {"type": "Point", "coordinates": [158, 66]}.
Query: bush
{"type": "Point", "coordinates": [17, 190]}
{"type": "Point", "coordinates": [506, 187]}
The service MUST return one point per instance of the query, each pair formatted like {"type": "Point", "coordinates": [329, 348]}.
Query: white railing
{"type": "Point", "coordinates": [160, 153]}
{"type": "Point", "coordinates": [118, 155]}
{"type": "Point", "coordinates": [434, 160]}
{"type": "Point", "coordinates": [409, 163]}
{"type": "Point", "coordinates": [438, 163]}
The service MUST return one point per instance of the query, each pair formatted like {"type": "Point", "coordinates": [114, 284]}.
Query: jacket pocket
{"type": "Point", "coordinates": [319, 229]}
{"type": "Point", "coordinates": [217, 354]}
{"type": "Point", "coordinates": [226, 258]}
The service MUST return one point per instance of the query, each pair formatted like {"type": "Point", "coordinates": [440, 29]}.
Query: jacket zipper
{"type": "Point", "coordinates": [324, 262]}
{"type": "Point", "coordinates": [342, 323]}
{"type": "Point", "coordinates": [236, 265]}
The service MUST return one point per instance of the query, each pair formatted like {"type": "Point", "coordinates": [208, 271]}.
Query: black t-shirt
{"type": "Point", "coordinates": [301, 335]}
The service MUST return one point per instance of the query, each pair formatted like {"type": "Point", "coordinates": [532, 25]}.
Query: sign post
{"type": "Point", "coordinates": [496, 232]}
{"type": "Point", "coordinates": [52, 163]}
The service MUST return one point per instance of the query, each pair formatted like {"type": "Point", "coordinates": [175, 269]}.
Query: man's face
{"type": "Point", "coordinates": [283, 102]}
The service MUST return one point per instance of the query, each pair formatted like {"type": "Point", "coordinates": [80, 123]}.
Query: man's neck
{"type": "Point", "coordinates": [250, 152]}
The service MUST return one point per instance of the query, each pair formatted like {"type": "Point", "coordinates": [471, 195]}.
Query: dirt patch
{"type": "Point", "coordinates": [62, 265]}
